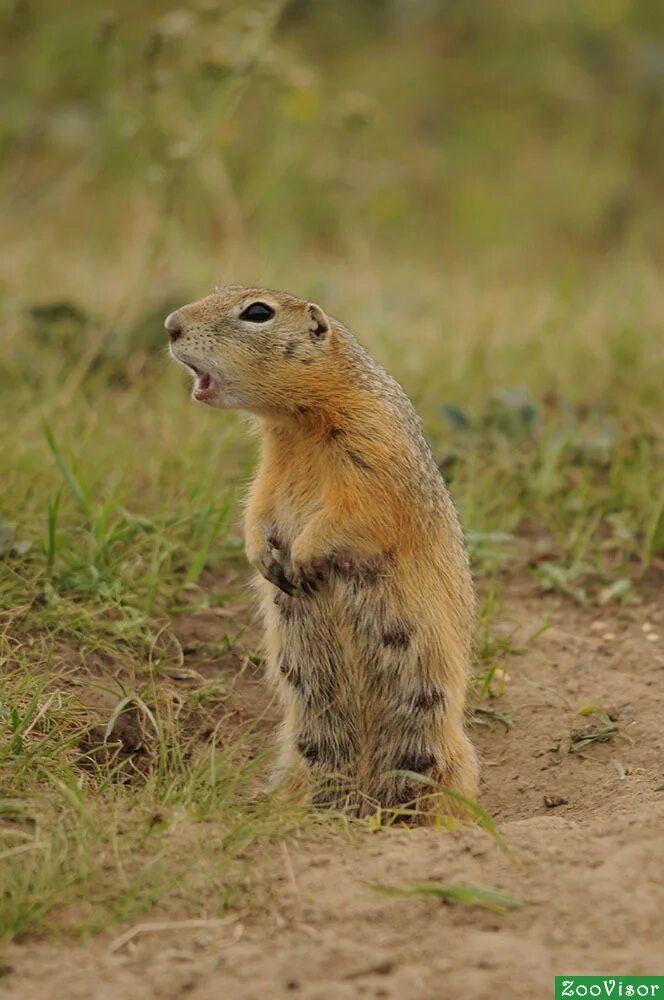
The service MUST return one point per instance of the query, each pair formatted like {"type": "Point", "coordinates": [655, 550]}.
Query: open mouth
{"type": "Point", "coordinates": [205, 385]}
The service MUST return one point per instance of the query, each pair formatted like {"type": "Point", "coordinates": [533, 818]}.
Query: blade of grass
{"type": "Point", "coordinates": [78, 490]}
{"type": "Point", "coordinates": [474, 811]}
{"type": "Point", "coordinates": [53, 508]}
{"type": "Point", "coordinates": [458, 895]}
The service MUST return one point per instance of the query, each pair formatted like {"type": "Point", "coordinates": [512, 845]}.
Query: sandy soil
{"type": "Point", "coordinates": [592, 874]}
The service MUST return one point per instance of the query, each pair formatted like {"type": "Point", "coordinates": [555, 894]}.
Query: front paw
{"type": "Point", "coordinates": [306, 577]}
{"type": "Point", "coordinates": [275, 572]}
{"type": "Point", "coordinates": [293, 570]}
{"type": "Point", "coordinates": [295, 580]}
{"type": "Point", "coordinates": [271, 560]}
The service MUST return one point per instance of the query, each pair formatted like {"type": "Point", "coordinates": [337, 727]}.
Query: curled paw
{"type": "Point", "coordinates": [307, 578]}
{"type": "Point", "coordinates": [297, 579]}
{"type": "Point", "coordinates": [269, 557]}
{"type": "Point", "coordinates": [274, 571]}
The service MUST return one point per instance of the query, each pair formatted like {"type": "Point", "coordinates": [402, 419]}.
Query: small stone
{"type": "Point", "coordinates": [652, 637]}
{"type": "Point", "coordinates": [609, 637]}
{"type": "Point", "coordinates": [553, 801]}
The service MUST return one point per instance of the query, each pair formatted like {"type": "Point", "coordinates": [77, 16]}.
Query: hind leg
{"type": "Point", "coordinates": [408, 754]}
{"type": "Point", "coordinates": [421, 778]}
{"type": "Point", "coordinates": [459, 773]}
{"type": "Point", "coordinates": [461, 769]}
{"type": "Point", "coordinates": [317, 744]}
{"type": "Point", "coordinates": [419, 746]}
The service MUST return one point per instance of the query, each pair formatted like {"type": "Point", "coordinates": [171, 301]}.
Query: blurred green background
{"type": "Point", "coordinates": [474, 188]}
{"type": "Point", "coordinates": [159, 148]}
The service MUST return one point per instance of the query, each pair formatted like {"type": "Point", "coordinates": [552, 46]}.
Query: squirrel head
{"type": "Point", "coordinates": [255, 349]}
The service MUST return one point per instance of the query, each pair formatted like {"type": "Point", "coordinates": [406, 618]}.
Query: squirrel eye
{"type": "Point", "coordinates": [257, 312]}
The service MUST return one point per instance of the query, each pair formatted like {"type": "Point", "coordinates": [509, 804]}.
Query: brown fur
{"type": "Point", "coordinates": [365, 588]}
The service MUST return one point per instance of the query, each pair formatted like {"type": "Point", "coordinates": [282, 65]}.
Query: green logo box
{"type": "Point", "coordinates": [609, 987]}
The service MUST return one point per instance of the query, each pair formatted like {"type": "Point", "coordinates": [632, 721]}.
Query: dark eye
{"type": "Point", "coordinates": [257, 312]}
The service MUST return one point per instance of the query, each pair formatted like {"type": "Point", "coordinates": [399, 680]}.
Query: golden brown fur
{"type": "Point", "coordinates": [365, 588]}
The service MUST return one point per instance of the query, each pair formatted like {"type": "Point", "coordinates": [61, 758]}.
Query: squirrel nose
{"type": "Point", "coordinates": [174, 325]}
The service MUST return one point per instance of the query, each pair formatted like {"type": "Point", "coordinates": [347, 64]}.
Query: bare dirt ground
{"type": "Point", "coordinates": [592, 864]}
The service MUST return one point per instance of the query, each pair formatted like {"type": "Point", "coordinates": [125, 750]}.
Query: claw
{"type": "Point", "coordinates": [278, 570]}
{"type": "Point", "coordinates": [308, 586]}
{"type": "Point", "coordinates": [283, 583]}
{"type": "Point", "coordinates": [274, 572]}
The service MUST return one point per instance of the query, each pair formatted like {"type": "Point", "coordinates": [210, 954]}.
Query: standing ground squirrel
{"type": "Point", "coordinates": [365, 588]}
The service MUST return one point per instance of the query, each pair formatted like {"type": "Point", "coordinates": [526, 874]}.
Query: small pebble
{"type": "Point", "coordinates": [652, 637]}
{"type": "Point", "coordinates": [646, 627]}
{"type": "Point", "coordinates": [553, 801]}
{"type": "Point", "coordinates": [609, 637]}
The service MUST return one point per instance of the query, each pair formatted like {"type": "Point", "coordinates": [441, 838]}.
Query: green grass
{"type": "Point", "coordinates": [490, 227]}
{"type": "Point", "coordinates": [460, 895]}
{"type": "Point", "coordinates": [91, 835]}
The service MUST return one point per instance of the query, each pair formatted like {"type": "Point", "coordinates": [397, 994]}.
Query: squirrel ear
{"type": "Point", "coordinates": [317, 322]}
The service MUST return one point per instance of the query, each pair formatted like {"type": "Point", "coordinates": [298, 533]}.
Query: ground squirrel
{"type": "Point", "coordinates": [365, 587]}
